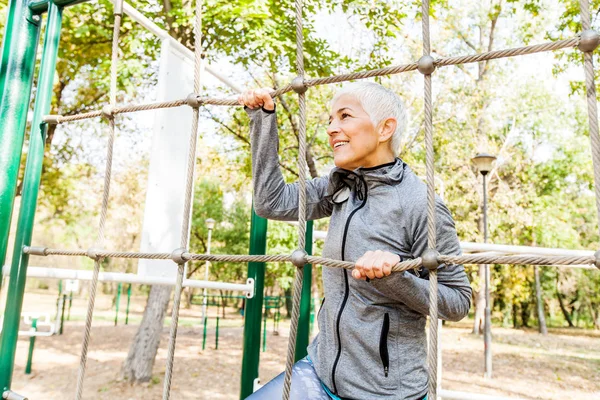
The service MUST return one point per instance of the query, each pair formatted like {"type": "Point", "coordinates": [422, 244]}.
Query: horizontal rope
{"type": "Point", "coordinates": [117, 110]}
{"type": "Point", "coordinates": [518, 51]}
{"type": "Point", "coordinates": [236, 258]}
{"type": "Point", "coordinates": [517, 260]}
{"type": "Point", "coordinates": [402, 266]}
{"type": "Point", "coordinates": [392, 70]}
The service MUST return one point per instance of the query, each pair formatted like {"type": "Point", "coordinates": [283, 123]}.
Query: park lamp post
{"type": "Point", "coordinates": [210, 224]}
{"type": "Point", "coordinates": [483, 162]}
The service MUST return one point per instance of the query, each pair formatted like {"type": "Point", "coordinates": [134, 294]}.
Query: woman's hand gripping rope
{"type": "Point", "coordinates": [375, 264]}
{"type": "Point", "coordinates": [257, 98]}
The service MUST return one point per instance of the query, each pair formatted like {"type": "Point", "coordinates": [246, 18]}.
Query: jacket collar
{"type": "Point", "coordinates": [342, 181]}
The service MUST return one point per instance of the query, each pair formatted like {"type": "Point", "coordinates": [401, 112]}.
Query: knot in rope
{"type": "Point", "coordinates": [298, 258]}
{"type": "Point", "coordinates": [108, 112]}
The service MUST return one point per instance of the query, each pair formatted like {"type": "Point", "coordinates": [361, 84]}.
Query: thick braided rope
{"type": "Point", "coordinates": [517, 260]}
{"type": "Point", "coordinates": [392, 70]}
{"type": "Point", "coordinates": [299, 276]}
{"type": "Point", "coordinates": [521, 259]}
{"type": "Point", "coordinates": [517, 51]}
{"type": "Point", "coordinates": [432, 356]}
{"type": "Point", "coordinates": [189, 195]}
{"type": "Point", "coordinates": [592, 105]}
{"type": "Point", "coordinates": [117, 110]}
{"type": "Point", "coordinates": [118, 7]}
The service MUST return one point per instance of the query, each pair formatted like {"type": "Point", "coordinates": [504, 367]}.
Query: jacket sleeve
{"type": "Point", "coordinates": [454, 290]}
{"type": "Point", "coordinates": [273, 198]}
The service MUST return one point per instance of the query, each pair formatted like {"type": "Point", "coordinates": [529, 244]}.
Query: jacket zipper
{"type": "Point", "coordinates": [383, 344]}
{"type": "Point", "coordinates": [346, 285]}
{"type": "Point", "coordinates": [320, 308]}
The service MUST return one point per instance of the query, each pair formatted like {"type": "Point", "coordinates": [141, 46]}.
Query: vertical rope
{"type": "Point", "coordinates": [187, 209]}
{"type": "Point", "coordinates": [118, 7]}
{"type": "Point", "coordinates": [590, 89]}
{"type": "Point", "coordinates": [431, 230]}
{"type": "Point", "coordinates": [287, 383]}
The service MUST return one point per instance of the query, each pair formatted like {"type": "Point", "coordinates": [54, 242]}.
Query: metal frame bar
{"type": "Point", "coordinates": [303, 337]}
{"type": "Point", "coordinates": [86, 275]}
{"type": "Point", "coordinates": [16, 80]}
{"type": "Point", "coordinates": [253, 311]}
{"type": "Point", "coordinates": [41, 6]}
{"type": "Point", "coordinates": [19, 48]}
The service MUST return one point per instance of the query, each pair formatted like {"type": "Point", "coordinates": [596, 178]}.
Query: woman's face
{"type": "Point", "coordinates": [352, 135]}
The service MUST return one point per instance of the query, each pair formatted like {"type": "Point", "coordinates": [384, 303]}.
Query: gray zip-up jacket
{"type": "Point", "coordinates": [371, 342]}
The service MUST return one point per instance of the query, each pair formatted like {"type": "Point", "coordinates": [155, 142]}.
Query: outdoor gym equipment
{"type": "Point", "coordinates": [20, 45]}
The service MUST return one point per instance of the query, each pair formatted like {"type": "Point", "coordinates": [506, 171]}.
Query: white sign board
{"type": "Point", "coordinates": [71, 285]}
{"type": "Point", "coordinates": [163, 215]}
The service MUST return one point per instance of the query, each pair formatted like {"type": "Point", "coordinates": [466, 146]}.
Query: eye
{"type": "Point", "coordinates": [345, 115]}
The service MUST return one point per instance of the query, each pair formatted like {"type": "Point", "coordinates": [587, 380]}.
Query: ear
{"type": "Point", "coordinates": [387, 128]}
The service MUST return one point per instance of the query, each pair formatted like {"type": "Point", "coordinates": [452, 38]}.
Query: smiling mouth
{"type": "Point", "coordinates": [339, 144]}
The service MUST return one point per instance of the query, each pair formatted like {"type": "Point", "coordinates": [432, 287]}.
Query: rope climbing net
{"type": "Point", "coordinates": [586, 41]}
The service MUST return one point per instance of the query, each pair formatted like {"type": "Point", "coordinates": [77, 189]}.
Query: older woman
{"type": "Point", "coordinates": [371, 342]}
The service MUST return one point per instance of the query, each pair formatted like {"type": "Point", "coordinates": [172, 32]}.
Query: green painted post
{"type": "Point", "coordinates": [217, 335]}
{"type": "Point", "coordinates": [62, 314]}
{"type": "Point", "coordinates": [19, 46]}
{"type": "Point", "coordinates": [70, 304]}
{"type": "Point", "coordinates": [312, 316]}
{"type": "Point", "coordinates": [41, 6]}
{"type": "Point", "coordinates": [264, 333]}
{"type": "Point", "coordinates": [119, 287]}
{"type": "Point", "coordinates": [128, 302]}
{"type": "Point", "coordinates": [18, 60]}
{"type": "Point", "coordinates": [204, 333]}
{"type": "Point", "coordinates": [304, 317]}
{"type": "Point", "coordinates": [60, 287]}
{"type": "Point", "coordinates": [31, 345]}
{"type": "Point", "coordinates": [253, 312]}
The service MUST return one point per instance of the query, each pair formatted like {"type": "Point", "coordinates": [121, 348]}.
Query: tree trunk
{"type": "Point", "coordinates": [140, 360]}
{"type": "Point", "coordinates": [563, 309]}
{"type": "Point", "coordinates": [595, 315]}
{"type": "Point", "coordinates": [480, 303]}
{"type": "Point", "coordinates": [525, 313]}
{"type": "Point", "coordinates": [188, 295]}
{"type": "Point", "coordinates": [288, 301]}
{"type": "Point", "coordinates": [540, 303]}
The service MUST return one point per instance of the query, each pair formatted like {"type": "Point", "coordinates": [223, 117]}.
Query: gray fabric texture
{"type": "Point", "coordinates": [381, 208]}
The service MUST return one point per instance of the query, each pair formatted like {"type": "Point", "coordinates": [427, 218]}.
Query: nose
{"type": "Point", "coordinates": [333, 127]}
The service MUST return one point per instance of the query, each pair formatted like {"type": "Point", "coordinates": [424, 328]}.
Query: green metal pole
{"type": "Point", "coordinates": [70, 304]}
{"type": "Point", "coordinates": [217, 335]}
{"type": "Point", "coordinates": [60, 287]}
{"type": "Point", "coordinates": [264, 333]}
{"type": "Point", "coordinates": [20, 43]}
{"type": "Point", "coordinates": [41, 6]}
{"type": "Point", "coordinates": [18, 58]}
{"type": "Point", "coordinates": [304, 317]}
{"type": "Point", "coordinates": [31, 345]}
{"type": "Point", "coordinates": [128, 302]}
{"type": "Point", "coordinates": [117, 302]}
{"type": "Point", "coordinates": [62, 314]}
{"type": "Point", "coordinates": [204, 332]}
{"type": "Point", "coordinates": [253, 313]}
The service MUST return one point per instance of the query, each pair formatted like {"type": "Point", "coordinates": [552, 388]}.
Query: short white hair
{"type": "Point", "coordinates": [379, 103]}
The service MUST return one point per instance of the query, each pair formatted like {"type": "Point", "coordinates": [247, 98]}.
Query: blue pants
{"type": "Point", "coordinates": [306, 385]}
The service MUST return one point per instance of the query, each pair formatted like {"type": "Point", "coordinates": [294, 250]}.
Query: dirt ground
{"type": "Point", "coordinates": [563, 365]}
